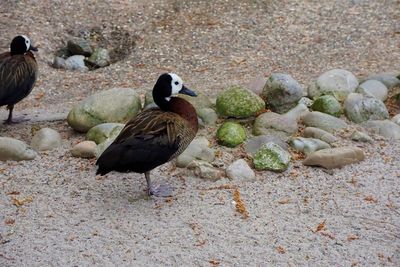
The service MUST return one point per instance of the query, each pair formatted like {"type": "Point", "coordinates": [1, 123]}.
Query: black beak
{"type": "Point", "coordinates": [187, 91]}
{"type": "Point", "coordinates": [33, 48]}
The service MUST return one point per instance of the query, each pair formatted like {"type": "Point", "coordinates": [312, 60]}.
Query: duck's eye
{"type": "Point", "coordinates": [176, 83]}
{"type": "Point", "coordinates": [26, 41]}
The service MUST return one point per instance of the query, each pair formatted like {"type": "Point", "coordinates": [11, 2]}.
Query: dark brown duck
{"type": "Point", "coordinates": [154, 136]}
{"type": "Point", "coordinates": [18, 72]}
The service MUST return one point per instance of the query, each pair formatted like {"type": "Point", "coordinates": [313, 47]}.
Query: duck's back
{"type": "Point", "coordinates": [17, 77]}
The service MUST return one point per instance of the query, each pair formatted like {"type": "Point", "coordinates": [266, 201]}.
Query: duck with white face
{"type": "Point", "coordinates": [18, 73]}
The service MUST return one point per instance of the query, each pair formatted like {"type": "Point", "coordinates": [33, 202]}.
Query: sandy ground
{"type": "Point", "coordinates": [304, 216]}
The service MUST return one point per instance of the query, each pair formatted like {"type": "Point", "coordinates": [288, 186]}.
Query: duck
{"type": "Point", "coordinates": [155, 136]}
{"type": "Point", "coordinates": [18, 73]}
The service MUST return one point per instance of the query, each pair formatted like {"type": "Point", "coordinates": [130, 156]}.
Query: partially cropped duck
{"type": "Point", "coordinates": [18, 72]}
{"type": "Point", "coordinates": [155, 136]}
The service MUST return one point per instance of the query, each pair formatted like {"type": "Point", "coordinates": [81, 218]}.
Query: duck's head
{"type": "Point", "coordinates": [167, 86]}
{"type": "Point", "coordinates": [20, 45]}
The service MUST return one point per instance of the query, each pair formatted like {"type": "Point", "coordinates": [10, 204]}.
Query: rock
{"type": "Point", "coordinates": [271, 157]}
{"type": "Point", "coordinates": [271, 123]}
{"type": "Point", "coordinates": [257, 84]}
{"type": "Point", "coordinates": [373, 88]}
{"type": "Point", "coordinates": [255, 143]}
{"type": "Point", "coordinates": [388, 79]}
{"type": "Point", "coordinates": [85, 149]}
{"type": "Point", "coordinates": [208, 116]}
{"type": "Point", "coordinates": [13, 149]}
{"type": "Point", "coordinates": [46, 139]}
{"type": "Point", "coordinates": [100, 58]}
{"type": "Point", "coordinates": [359, 108]}
{"type": "Point", "coordinates": [114, 105]}
{"type": "Point", "coordinates": [148, 98]}
{"type": "Point", "coordinates": [327, 104]}
{"type": "Point", "coordinates": [76, 63]}
{"type": "Point", "coordinates": [281, 92]}
{"type": "Point", "coordinates": [59, 63]}
{"type": "Point", "coordinates": [101, 132]}
{"type": "Point", "coordinates": [297, 112]}
{"type": "Point", "coordinates": [306, 101]}
{"type": "Point", "coordinates": [206, 171]}
{"type": "Point", "coordinates": [324, 121]}
{"type": "Point", "coordinates": [103, 146]}
{"type": "Point", "coordinates": [385, 128]}
{"type": "Point", "coordinates": [198, 149]}
{"type": "Point", "coordinates": [336, 82]}
{"type": "Point", "coordinates": [63, 53]}
{"type": "Point", "coordinates": [239, 170]}
{"type": "Point", "coordinates": [361, 137]}
{"type": "Point", "coordinates": [335, 157]}
{"type": "Point", "coordinates": [396, 119]}
{"type": "Point", "coordinates": [231, 134]}
{"type": "Point", "coordinates": [308, 145]}
{"type": "Point", "coordinates": [319, 134]}
{"type": "Point", "coordinates": [199, 102]}
{"type": "Point", "coordinates": [239, 103]}
{"type": "Point", "coordinates": [79, 46]}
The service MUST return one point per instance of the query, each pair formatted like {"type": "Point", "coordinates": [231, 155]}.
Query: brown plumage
{"type": "Point", "coordinates": [18, 73]}
{"type": "Point", "coordinates": [155, 136]}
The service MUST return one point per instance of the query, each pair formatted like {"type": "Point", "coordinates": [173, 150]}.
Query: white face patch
{"type": "Point", "coordinates": [176, 84]}
{"type": "Point", "coordinates": [27, 42]}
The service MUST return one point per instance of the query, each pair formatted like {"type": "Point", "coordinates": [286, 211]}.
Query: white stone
{"type": "Point", "coordinates": [239, 170]}
{"type": "Point", "coordinates": [46, 139]}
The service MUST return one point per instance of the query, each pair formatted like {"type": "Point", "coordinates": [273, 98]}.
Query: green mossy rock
{"type": "Point", "coordinates": [327, 104]}
{"type": "Point", "coordinates": [271, 157]}
{"type": "Point", "coordinates": [101, 132]}
{"type": "Point", "coordinates": [237, 102]}
{"type": "Point", "coordinates": [231, 134]}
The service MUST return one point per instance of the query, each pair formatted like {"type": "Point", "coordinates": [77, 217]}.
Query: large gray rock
{"type": "Point", "coordinates": [271, 123]}
{"type": "Point", "coordinates": [85, 149]}
{"type": "Point", "coordinates": [114, 105]}
{"type": "Point", "coordinates": [46, 139]}
{"type": "Point", "coordinates": [385, 128]}
{"type": "Point", "coordinates": [239, 170]}
{"type": "Point", "coordinates": [336, 82]}
{"type": "Point", "coordinates": [271, 157]}
{"type": "Point", "coordinates": [335, 157]}
{"type": "Point", "coordinates": [198, 149]}
{"type": "Point", "coordinates": [253, 144]}
{"type": "Point", "coordinates": [324, 121]}
{"type": "Point", "coordinates": [319, 134]}
{"type": "Point", "coordinates": [101, 132]}
{"type": "Point", "coordinates": [76, 62]}
{"type": "Point", "coordinates": [238, 102]}
{"type": "Point", "coordinates": [13, 149]}
{"type": "Point", "coordinates": [79, 46]}
{"type": "Point", "coordinates": [388, 79]}
{"type": "Point", "coordinates": [308, 145]}
{"type": "Point", "coordinates": [359, 108]}
{"type": "Point", "coordinates": [373, 88]}
{"type": "Point", "coordinates": [281, 92]}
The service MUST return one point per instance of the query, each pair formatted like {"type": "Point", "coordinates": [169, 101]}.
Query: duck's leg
{"type": "Point", "coordinates": [161, 190]}
{"type": "Point", "coordinates": [10, 115]}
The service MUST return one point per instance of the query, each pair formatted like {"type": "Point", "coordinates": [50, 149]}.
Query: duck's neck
{"type": "Point", "coordinates": [183, 108]}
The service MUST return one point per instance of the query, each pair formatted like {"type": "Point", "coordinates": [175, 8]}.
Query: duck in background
{"type": "Point", "coordinates": [155, 136]}
{"type": "Point", "coordinates": [18, 73]}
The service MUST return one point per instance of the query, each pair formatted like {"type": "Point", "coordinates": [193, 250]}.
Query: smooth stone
{"type": "Point", "coordinates": [297, 112]}
{"type": "Point", "coordinates": [281, 92]}
{"type": "Point", "coordinates": [79, 46]}
{"type": "Point", "coordinates": [359, 108]}
{"type": "Point", "coordinates": [324, 121]}
{"type": "Point", "coordinates": [238, 102]}
{"type": "Point", "coordinates": [76, 63]}
{"type": "Point", "coordinates": [208, 116]}
{"type": "Point", "coordinates": [271, 123]}
{"type": "Point", "coordinates": [385, 128]}
{"type": "Point", "coordinates": [46, 139]}
{"type": "Point", "coordinates": [319, 134]}
{"type": "Point", "coordinates": [199, 102]}
{"type": "Point", "coordinates": [308, 145]}
{"type": "Point", "coordinates": [388, 79]}
{"type": "Point", "coordinates": [361, 137]}
{"type": "Point", "coordinates": [15, 150]}
{"type": "Point", "coordinates": [114, 105]}
{"type": "Point", "coordinates": [306, 101]}
{"type": "Point", "coordinates": [327, 104]}
{"type": "Point", "coordinates": [253, 144]}
{"type": "Point", "coordinates": [271, 157]}
{"type": "Point", "coordinates": [101, 132]}
{"type": "Point", "coordinates": [205, 170]}
{"type": "Point", "coordinates": [198, 149]}
{"type": "Point", "coordinates": [59, 63]}
{"type": "Point", "coordinates": [85, 149]}
{"type": "Point", "coordinates": [335, 157]}
{"type": "Point", "coordinates": [396, 119]}
{"type": "Point", "coordinates": [336, 82]}
{"type": "Point", "coordinates": [239, 170]}
{"type": "Point", "coordinates": [373, 88]}
{"type": "Point", "coordinates": [231, 134]}
{"type": "Point", "coordinates": [103, 146]}
{"type": "Point", "coordinates": [148, 98]}
{"type": "Point", "coordinates": [257, 84]}
{"type": "Point", "coordinates": [100, 58]}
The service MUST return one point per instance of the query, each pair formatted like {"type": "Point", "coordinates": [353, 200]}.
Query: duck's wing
{"type": "Point", "coordinates": [17, 77]}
